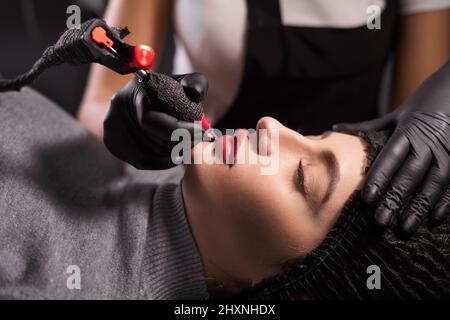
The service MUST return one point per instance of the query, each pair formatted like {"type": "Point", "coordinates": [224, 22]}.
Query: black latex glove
{"type": "Point", "coordinates": [143, 115]}
{"type": "Point", "coordinates": [413, 169]}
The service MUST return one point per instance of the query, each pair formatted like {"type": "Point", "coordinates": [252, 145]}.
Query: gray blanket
{"type": "Point", "coordinates": [76, 223]}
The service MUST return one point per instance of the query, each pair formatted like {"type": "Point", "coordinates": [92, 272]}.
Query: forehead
{"type": "Point", "coordinates": [351, 157]}
{"type": "Point", "coordinates": [341, 143]}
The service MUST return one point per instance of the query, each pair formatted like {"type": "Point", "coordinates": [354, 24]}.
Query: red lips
{"type": "Point", "coordinates": [230, 145]}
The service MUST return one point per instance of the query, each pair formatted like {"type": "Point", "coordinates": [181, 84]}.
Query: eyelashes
{"type": "Point", "coordinates": [300, 176]}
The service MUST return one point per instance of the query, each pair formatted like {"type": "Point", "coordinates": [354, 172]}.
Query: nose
{"type": "Point", "coordinates": [267, 130]}
{"type": "Point", "coordinates": [268, 123]}
{"type": "Point", "coordinates": [287, 136]}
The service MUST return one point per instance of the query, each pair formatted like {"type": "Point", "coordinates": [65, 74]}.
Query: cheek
{"type": "Point", "coordinates": [276, 217]}
{"type": "Point", "coordinates": [264, 218]}
{"type": "Point", "coordinates": [270, 218]}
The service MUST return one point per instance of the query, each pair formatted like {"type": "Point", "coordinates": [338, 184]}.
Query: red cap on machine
{"type": "Point", "coordinates": [143, 57]}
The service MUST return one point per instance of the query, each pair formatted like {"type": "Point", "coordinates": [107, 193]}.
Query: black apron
{"type": "Point", "coordinates": [309, 78]}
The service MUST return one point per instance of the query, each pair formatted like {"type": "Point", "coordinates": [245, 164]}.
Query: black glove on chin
{"type": "Point", "coordinates": [414, 165]}
{"type": "Point", "coordinates": [143, 115]}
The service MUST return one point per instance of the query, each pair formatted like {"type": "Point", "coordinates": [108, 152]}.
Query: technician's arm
{"type": "Point", "coordinates": [148, 21]}
{"type": "Point", "coordinates": [424, 46]}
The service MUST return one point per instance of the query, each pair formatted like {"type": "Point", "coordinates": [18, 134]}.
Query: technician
{"type": "Point", "coordinates": [310, 64]}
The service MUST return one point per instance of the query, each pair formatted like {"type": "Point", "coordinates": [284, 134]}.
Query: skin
{"type": "Point", "coordinates": [424, 46]}
{"type": "Point", "coordinates": [246, 224]}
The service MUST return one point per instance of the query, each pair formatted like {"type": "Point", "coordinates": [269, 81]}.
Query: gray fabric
{"type": "Point", "coordinates": [64, 200]}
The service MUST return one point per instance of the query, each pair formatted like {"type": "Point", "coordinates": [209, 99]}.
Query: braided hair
{"type": "Point", "coordinates": [414, 268]}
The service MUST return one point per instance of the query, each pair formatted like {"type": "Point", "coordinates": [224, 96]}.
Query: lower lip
{"type": "Point", "coordinates": [239, 138]}
{"type": "Point", "coordinates": [232, 142]}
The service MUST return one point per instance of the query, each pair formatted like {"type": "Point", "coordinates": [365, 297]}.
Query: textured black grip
{"type": "Point", "coordinates": [167, 95]}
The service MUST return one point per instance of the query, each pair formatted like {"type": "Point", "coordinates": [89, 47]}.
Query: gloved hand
{"type": "Point", "coordinates": [414, 165]}
{"type": "Point", "coordinates": [143, 115]}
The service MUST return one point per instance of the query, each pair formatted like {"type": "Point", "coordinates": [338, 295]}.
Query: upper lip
{"type": "Point", "coordinates": [234, 140]}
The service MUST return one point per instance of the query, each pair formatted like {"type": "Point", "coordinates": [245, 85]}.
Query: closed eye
{"type": "Point", "coordinates": [303, 189]}
{"type": "Point", "coordinates": [300, 178]}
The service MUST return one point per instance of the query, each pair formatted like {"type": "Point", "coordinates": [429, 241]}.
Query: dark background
{"type": "Point", "coordinates": [27, 27]}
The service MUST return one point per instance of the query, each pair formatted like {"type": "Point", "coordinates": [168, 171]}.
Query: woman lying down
{"type": "Point", "coordinates": [77, 223]}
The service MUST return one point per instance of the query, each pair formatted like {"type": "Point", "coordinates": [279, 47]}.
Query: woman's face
{"type": "Point", "coordinates": [246, 221]}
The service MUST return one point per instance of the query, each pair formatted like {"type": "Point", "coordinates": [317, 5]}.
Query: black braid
{"type": "Point", "coordinates": [418, 267]}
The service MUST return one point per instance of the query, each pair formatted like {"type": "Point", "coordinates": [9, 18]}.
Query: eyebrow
{"type": "Point", "coordinates": [331, 163]}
